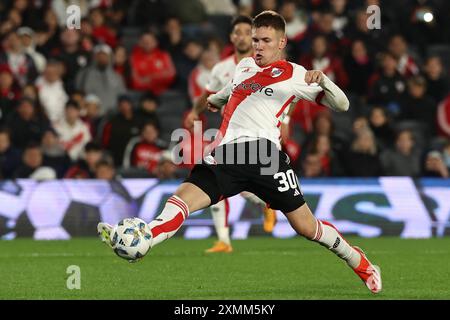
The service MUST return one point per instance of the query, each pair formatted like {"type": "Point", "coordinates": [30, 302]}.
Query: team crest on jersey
{"type": "Point", "coordinates": [276, 72]}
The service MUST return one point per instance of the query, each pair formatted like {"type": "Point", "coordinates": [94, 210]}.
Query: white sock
{"type": "Point", "coordinates": [328, 236]}
{"type": "Point", "coordinates": [220, 217]}
{"type": "Point", "coordinates": [169, 221]}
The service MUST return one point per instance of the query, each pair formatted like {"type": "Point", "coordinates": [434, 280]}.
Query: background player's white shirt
{"type": "Point", "coordinates": [221, 74]}
{"type": "Point", "coordinates": [259, 98]}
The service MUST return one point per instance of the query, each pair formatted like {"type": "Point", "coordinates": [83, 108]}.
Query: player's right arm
{"type": "Point", "coordinates": [216, 101]}
{"type": "Point", "coordinates": [214, 84]}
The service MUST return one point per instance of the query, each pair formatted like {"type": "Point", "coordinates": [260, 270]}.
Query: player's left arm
{"type": "Point", "coordinates": [326, 92]}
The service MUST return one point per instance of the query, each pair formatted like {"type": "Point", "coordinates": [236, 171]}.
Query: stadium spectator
{"type": "Point", "coordinates": [52, 95]}
{"type": "Point", "coordinates": [373, 38]}
{"type": "Point", "coordinates": [438, 84]}
{"type": "Point", "coordinates": [311, 166]}
{"type": "Point", "coordinates": [364, 153]}
{"type": "Point", "coordinates": [118, 131]}
{"type": "Point", "coordinates": [321, 145]}
{"type": "Point", "coordinates": [20, 63]}
{"type": "Point", "coordinates": [321, 59]}
{"type": "Point", "coordinates": [296, 27]}
{"type": "Point", "coordinates": [100, 79]}
{"type": "Point", "coordinates": [323, 125]}
{"type": "Point", "coordinates": [31, 92]}
{"type": "Point", "coordinates": [387, 86]}
{"type": "Point", "coordinates": [359, 67]}
{"type": "Point", "coordinates": [406, 65]}
{"type": "Point", "coordinates": [167, 170]}
{"type": "Point", "coordinates": [323, 25]}
{"type": "Point", "coordinates": [443, 117]}
{"type": "Point", "coordinates": [27, 123]}
{"type": "Point", "coordinates": [47, 36]}
{"type": "Point", "coordinates": [105, 170]}
{"type": "Point", "coordinates": [26, 35]}
{"type": "Point", "coordinates": [417, 106]}
{"type": "Point", "coordinates": [32, 165]}
{"type": "Point", "coordinates": [172, 38]}
{"type": "Point", "coordinates": [72, 55]}
{"type": "Point", "coordinates": [54, 154]}
{"type": "Point", "coordinates": [381, 127]}
{"type": "Point", "coordinates": [219, 7]}
{"type": "Point", "coordinates": [146, 112]}
{"type": "Point", "coordinates": [9, 92]}
{"type": "Point", "coordinates": [189, 12]}
{"type": "Point", "coordinates": [101, 31]}
{"type": "Point", "coordinates": [152, 67]}
{"type": "Point", "coordinates": [404, 160]}
{"type": "Point", "coordinates": [143, 13]}
{"type": "Point", "coordinates": [91, 113]}
{"type": "Point", "coordinates": [85, 167]}
{"type": "Point", "coordinates": [121, 64]}
{"type": "Point", "coordinates": [144, 151]}
{"type": "Point", "coordinates": [72, 131]}
{"type": "Point", "coordinates": [434, 165]}
{"type": "Point", "coordinates": [10, 156]}
{"type": "Point", "coordinates": [191, 53]}
{"type": "Point", "coordinates": [341, 16]}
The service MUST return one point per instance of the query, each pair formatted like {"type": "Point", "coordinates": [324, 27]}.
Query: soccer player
{"type": "Point", "coordinates": [221, 74]}
{"type": "Point", "coordinates": [261, 90]}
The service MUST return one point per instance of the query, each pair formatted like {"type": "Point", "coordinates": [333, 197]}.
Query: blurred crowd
{"type": "Point", "coordinates": [89, 102]}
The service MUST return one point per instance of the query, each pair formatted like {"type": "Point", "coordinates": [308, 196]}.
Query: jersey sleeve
{"type": "Point", "coordinates": [214, 82]}
{"type": "Point", "coordinates": [311, 92]}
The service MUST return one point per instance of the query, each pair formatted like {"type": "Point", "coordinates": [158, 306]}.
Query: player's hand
{"type": "Point", "coordinates": [314, 76]}
{"type": "Point", "coordinates": [190, 118]}
{"type": "Point", "coordinates": [284, 131]}
{"type": "Point", "coordinates": [212, 107]}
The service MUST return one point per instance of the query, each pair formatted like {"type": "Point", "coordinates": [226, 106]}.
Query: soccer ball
{"type": "Point", "coordinates": [131, 239]}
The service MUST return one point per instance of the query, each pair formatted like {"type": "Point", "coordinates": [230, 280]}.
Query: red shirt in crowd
{"type": "Point", "coordinates": [146, 155]}
{"type": "Point", "coordinates": [152, 71]}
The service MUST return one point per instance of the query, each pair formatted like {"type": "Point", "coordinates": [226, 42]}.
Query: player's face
{"type": "Point", "coordinates": [241, 37]}
{"type": "Point", "coordinates": [268, 44]}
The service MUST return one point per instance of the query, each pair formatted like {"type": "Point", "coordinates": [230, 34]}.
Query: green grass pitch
{"type": "Point", "coordinates": [260, 268]}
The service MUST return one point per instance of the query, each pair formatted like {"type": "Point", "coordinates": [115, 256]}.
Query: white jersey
{"type": "Point", "coordinates": [221, 74]}
{"type": "Point", "coordinates": [258, 99]}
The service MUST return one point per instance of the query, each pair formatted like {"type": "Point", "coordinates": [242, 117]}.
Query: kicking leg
{"type": "Point", "coordinates": [305, 224]}
{"type": "Point", "coordinates": [188, 198]}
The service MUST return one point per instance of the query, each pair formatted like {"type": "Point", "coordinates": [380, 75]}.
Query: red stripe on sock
{"type": "Point", "coordinates": [181, 203]}
{"type": "Point", "coordinates": [169, 226]}
{"type": "Point", "coordinates": [319, 231]}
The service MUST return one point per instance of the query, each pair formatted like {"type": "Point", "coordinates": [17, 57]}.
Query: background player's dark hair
{"type": "Point", "coordinates": [270, 18]}
{"type": "Point", "coordinates": [241, 19]}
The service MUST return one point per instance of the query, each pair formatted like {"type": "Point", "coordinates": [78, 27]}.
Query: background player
{"type": "Point", "coordinates": [221, 74]}
{"type": "Point", "coordinates": [261, 90]}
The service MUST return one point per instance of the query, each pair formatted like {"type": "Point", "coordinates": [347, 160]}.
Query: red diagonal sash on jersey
{"type": "Point", "coordinates": [263, 78]}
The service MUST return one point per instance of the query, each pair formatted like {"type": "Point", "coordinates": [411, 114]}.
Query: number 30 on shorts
{"type": "Point", "coordinates": [287, 180]}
